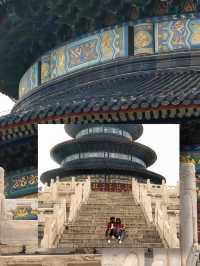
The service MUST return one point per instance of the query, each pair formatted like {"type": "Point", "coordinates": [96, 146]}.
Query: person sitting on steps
{"type": "Point", "coordinates": [110, 231]}
{"type": "Point", "coordinates": [119, 231]}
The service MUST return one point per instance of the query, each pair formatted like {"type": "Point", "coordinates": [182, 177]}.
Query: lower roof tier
{"type": "Point", "coordinates": [162, 87]}
{"type": "Point", "coordinates": [95, 166]}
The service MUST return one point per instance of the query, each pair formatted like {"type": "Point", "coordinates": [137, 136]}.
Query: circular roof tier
{"type": "Point", "coordinates": [101, 163]}
{"type": "Point", "coordinates": [96, 169]}
{"type": "Point", "coordinates": [142, 73]}
{"type": "Point", "coordinates": [160, 91]}
{"type": "Point", "coordinates": [134, 129]}
{"type": "Point", "coordinates": [65, 149]}
{"type": "Point", "coordinates": [83, 17]}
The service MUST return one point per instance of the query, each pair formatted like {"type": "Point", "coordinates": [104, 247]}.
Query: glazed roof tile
{"type": "Point", "coordinates": [152, 90]}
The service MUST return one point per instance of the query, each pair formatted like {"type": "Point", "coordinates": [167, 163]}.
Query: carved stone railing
{"type": "Point", "coordinates": [168, 193]}
{"type": "Point", "coordinates": [74, 194]}
{"type": "Point", "coordinates": [143, 194]}
{"type": "Point", "coordinates": [80, 195]}
{"type": "Point", "coordinates": [54, 225]}
{"type": "Point", "coordinates": [57, 191]}
{"type": "Point", "coordinates": [167, 230]}
{"type": "Point", "coordinates": [2, 196]}
{"type": "Point", "coordinates": [140, 194]}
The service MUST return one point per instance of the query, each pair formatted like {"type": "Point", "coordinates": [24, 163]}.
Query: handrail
{"type": "Point", "coordinates": [140, 194]}
{"type": "Point", "coordinates": [81, 194]}
{"type": "Point", "coordinates": [54, 226]}
{"type": "Point", "coordinates": [78, 193]}
{"type": "Point", "coordinates": [167, 230]}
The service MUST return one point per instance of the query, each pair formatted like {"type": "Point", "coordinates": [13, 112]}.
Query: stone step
{"type": "Point", "coordinates": [115, 201]}
{"type": "Point", "coordinates": [102, 230]}
{"type": "Point", "coordinates": [88, 229]}
{"type": "Point", "coordinates": [95, 240]}
{"type": "Point", "coordinates": [106, 217]}
{"type": "Point", "coordinates": [109, 212]}
{"type": "Point", "coordinates": [108, 209]}
{"type": "Point", "coordinates": [86, 238]}
{"type": "Point", "coordinates": [111, 195]}
{"type": "Point", "coordinates": [114, 244]}
{"type": "Point", "coordinates": [140, 226]}
{"type": "Point", "coordinates": [81, 230]}
{"type": "Point", "coordinates": [104, 221]}
{"type": "Point", "coordinates": [112, 207]}
{"type": "Point", "coordinates": [69, 237]}
{"type": "Point", "coordinates": [107, 204]}
{"type": "Point", "coordinates": [104, 224]}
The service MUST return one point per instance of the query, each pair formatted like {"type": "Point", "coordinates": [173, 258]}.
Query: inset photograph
{"type": "Point", "coordinates": [108, 186]}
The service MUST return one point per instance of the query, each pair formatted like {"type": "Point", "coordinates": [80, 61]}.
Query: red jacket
{"type": "Point", "coordinates": [110, 225]}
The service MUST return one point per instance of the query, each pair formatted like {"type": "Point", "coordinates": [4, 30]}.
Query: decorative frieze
{"type": "Point", "coordinates": [87, 51]}
{"type": "Point", "coordinates": [20, 183]}
{"type": "Point", "coordinates": [24, 213]}
{"type": "Point", "coordinates": [143, 39]}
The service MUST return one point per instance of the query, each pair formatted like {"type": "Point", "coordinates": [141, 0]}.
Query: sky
{"type": "Point", "coordinates": [162, 138]}
{"type": "Point", "coordinates": [6, 104]}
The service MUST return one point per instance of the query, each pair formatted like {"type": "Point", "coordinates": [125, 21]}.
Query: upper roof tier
{"type": "Point", "coordinates": [53, 22]}
{"type": "Point", "coordinates": [143, 71]}
{"type": "Point", "coordinates": [153, 36]}
{"type": "Point", "coordinates": [135, 130]}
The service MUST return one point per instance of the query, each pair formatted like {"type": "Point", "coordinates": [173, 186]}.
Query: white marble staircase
{"type": "Point", "coordinates": [88, 229]}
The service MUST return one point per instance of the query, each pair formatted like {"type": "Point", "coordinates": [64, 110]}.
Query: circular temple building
{"type": "Point", "coordinates": [137, 61]}
{"type": "Point", "coordinates": [106, 152]}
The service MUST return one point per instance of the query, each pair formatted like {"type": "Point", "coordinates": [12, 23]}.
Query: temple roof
{"type": "Point", "coordinates": [190, 133]}
{"type": "Point", "coordinates": [18, 154]}
{"type": "Point", "coordinates": [155, 97]}
{"type": "Point", "coordinates": [48, 24]}
{"type": "Point", "coordinates": [54, 23]}
{"type": "Point", "coordinates": [64, 149]}
{"type": "Point", "coordinates": [112, 168]}
{"type": "Point", "coordinates": [135, 130]}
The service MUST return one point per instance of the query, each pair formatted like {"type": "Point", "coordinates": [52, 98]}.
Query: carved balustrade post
{"type": "Point", "coordinates": [188, 201]}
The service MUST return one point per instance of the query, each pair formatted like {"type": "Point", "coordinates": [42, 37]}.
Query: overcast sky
{"type": "Point", "coordinates": [162, 138]}
{"type": "Point", "coordinates": [6, 104]}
